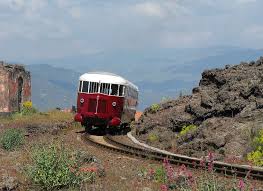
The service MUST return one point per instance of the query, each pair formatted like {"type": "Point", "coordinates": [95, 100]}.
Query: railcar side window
{"type": "Point", "coordinates": [114, 89]}
{"type": "Point", "coordinates": [104, 88]}
{"type": "Point", "coordinates": [80, 86]}
{"type": "Point", "coordinates": [121, 90]}
{"type": "Point", "coordinates": [85, 86]}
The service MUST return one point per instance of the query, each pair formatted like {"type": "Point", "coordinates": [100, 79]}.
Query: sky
{"type": "Point", "coordinates": [48, 29]}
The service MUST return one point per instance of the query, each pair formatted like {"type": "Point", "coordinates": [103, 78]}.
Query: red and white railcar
{"type": "Point", "coordinates": [105, 100]}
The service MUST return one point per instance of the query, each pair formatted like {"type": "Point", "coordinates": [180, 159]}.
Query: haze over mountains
{"type": "Point", "coordinates": [159, 73]}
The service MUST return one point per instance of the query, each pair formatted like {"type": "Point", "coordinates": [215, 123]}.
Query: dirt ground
{"type": "Point", "coordinates": [121, 172]}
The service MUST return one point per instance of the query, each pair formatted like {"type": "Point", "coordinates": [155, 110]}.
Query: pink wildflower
{"type": "Point", "coordinates": [210, 156]}
{"type": "Point", "coordinates": [202, 163]}
{"type": "Point", "coordinates": [241, 185]}
{"type": "Point", "coordinates": [190, 177]}
{"type": "Point", "coordinates": [210, 166]}
{"type": "Point", "coordinates": [169, 169]}
{"type": "Point", "coordinates": [164, 187]}
{"type": "Point", "coordinates": [88, 169]}
{"type": "Point", "coordinates": [165, 161]}
{"type": "Point", "coordinates": [183, 168]}
{"type": "Point", "coordinates": [194, 164]}
{"type": "Point", "coordinates": [151, 172]}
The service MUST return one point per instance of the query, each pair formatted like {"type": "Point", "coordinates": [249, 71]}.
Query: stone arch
{"type": "Point", "coordinates": [20, 92]}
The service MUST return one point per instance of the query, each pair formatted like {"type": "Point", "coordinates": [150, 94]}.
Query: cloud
{"type": "Point", "coordinates": [186, 39]}
{"type": "Point", "coordinates": [24, 5]}
{"type": "Point", "coordinates": [253, 35]}
{"type": "Point", "coordinates": [246, 1]}
{"type": "Point", "coordinates": [150, 9]}
{"type": "Point", "coordinates": [132, 24]}
{"type": "Point", "coordinates": [75, 12]}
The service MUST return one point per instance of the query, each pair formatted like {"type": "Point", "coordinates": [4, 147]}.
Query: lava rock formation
{"type": "Point", "coordinates": [227, 108]}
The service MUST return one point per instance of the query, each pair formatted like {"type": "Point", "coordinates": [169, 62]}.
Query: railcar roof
{"type": "Point", "coordinates": [105, 77]}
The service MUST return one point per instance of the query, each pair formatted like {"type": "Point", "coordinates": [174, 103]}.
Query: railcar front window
{"type": "Point", "coordinates": [104, 88]}
{"type": "Point", "coordinates": [80, 86]}
{"type": "Point", "coordinates": [94, 87]}
{"type": "Point", "coordinates": [114, 89]}
{"type": "Point", "coordinates": [85, 86]}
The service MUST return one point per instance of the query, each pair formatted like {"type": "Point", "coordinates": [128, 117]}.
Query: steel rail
{"type": "Point", "coordinates": [220, 167]}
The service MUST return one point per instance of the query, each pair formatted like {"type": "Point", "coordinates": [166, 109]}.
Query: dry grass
{"type": "Point", "coordinates": [51, 116]}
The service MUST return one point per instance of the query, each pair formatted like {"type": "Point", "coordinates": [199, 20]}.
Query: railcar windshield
{"type": "Point", "coordinates": [94, 87]}
{"type": "Point", "coordinates": [104, 88]}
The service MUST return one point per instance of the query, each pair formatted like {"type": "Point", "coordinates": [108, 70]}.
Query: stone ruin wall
{"type": "Point", "coordinates": [4, 93]}
{"type": "Point", "coordinates": [10, 78]}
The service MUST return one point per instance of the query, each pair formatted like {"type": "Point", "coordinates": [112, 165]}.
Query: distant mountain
{"type": "Point", "coordinates": [160, 74]}
{"type": "Point", "coordinates": [138, 65]}
{"type": "Point", "coordinates": [53, 87]}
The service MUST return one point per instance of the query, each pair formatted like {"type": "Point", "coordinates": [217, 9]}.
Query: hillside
{"type": "Point", "coordinates": [159, 73]}
{"type": "Point", "coordinates": [53, 87]}
{"type": "Point", "coordinates": [225, 112]}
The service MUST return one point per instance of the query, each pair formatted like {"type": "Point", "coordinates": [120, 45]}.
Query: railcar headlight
{"type": "Point", "coordinates": [114, 104]}
{"type": "Point", "coordinates": [81, 100]}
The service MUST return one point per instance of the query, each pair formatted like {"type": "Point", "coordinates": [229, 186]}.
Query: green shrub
{"type": "Point", "coordinates": [166, 99]}
{"type": "Point", "coordinates": [187, 128]}
{"type": "Point", "coordinates": [12, 138]}
{"type": "Point", "coordinates": [27, 108]}
{"type": "Point", "coordinates": [256, 156]}
{"type": "Point", "coordinates": [152, 137]}
{"type": "Point", "coordinates": [160, 175]}
{"type": "Point", "coordinates": [54, 167]}
{"type": "Point", "coordinates": [155, 107]}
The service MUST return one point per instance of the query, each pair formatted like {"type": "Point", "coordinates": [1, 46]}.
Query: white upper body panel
{"type": "Point", "coordinates": [103, 77]}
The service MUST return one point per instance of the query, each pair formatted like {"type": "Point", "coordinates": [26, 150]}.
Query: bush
{"type": "Point", "coordinates": [27, 108]}
{"type": "Point", "coordinates": [256, 156]}
{"type": "Point", "coordinates": [182, 179]}
{"type": "Point", "coordinates": [12, 138]}
{"type": "Point", "coordinates": [187, 129]}
{"type": "Point", "coordinates": [54, 168]}
{"type": "Point", "coordinates": [155, 107]}
{"type": "Point", "coordinates": [152, 137]}
{"type": "Point", "coordinates": [160, 175]}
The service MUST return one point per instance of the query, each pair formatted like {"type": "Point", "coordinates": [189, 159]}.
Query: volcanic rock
{"type": "Point", "coordinates": [227, 108]}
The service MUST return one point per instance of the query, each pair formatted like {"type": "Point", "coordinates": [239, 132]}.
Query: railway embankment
{"type": "Point", "coordinates": [224, 115]}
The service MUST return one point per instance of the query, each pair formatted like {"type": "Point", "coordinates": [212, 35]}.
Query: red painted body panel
{"type": "Point", "coordinates": [99, 109]}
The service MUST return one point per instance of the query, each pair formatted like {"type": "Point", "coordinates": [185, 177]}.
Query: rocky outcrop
{"type": "Point", "coordinates": [226, 106]}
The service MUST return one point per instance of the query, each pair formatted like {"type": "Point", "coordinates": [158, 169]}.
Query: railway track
{"type": "Point", "coordinates": [108, 142]}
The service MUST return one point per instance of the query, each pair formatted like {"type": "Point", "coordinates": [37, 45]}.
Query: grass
{"type": "Point", "coordinates": [152, 137]}
{"type": "Point", "coordinates": [53, 116]}
{"type": "Point", "coordinates": [12, 139]}
{"type": "Point", "coordinates": [187, 128]}
{"type": "Point", "coordinates": [155, 107]}
{"type": "Point", "coordinates": [256, 156]}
